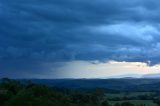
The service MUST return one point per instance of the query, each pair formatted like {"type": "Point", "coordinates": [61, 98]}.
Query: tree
{"type": "Point", "coordinates": [157, 101]}
{"type": "Point", "coordinates": [105, 103]}
{"type": "Point", "coordinates": [117, 104]}
{"type": "Point", "coordinates": [127, 104]}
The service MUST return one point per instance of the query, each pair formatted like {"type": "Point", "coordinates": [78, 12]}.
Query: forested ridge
{"type": "Point", "coordinates": [14, 93]}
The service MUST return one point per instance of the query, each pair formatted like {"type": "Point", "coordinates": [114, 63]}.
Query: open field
{"type": "Point", "coordinates": [136, 98]}
{"type": "Point", "coordinates": [135, 102]}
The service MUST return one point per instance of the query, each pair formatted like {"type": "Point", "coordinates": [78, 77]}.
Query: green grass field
{"type": "Point", "coordinates": [132, 95]}
{"type": "Point", "coordinates": [136, 102]}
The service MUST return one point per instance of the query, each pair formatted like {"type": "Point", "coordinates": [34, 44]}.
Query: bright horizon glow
{"type": "Point", "coordinates": [110, 69]}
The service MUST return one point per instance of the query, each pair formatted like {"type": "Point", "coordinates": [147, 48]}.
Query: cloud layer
{"type": "Point", "coordinates": [34, 33]}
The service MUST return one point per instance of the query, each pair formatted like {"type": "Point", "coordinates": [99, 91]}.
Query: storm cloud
{"type": "Point", "coordinates": [35, 33]}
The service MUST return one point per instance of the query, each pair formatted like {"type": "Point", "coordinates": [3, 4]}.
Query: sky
{"type": "Point", "coordinates": [79, 38]}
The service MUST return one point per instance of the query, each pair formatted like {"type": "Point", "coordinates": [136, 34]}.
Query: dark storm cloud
{"type": "Point", "coordinates": [36, 32]}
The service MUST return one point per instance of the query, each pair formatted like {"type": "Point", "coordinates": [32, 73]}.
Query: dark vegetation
{"type": "Point", "coordinates": [78, 93]}
{"type": "Point", "coordinates": [15, 93]}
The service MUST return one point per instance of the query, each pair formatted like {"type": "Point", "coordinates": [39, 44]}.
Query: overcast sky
{"type": "Point", "coordinates": [78, 38]}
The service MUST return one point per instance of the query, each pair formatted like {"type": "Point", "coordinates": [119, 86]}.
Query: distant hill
{"type": "Point", "coordinates": [150, 76]}
{"type": "Point", "coordinates": [127, 76]}
{"type": "Point", "coordinates": [118, 84]}
{"type": "Point", "coordinates": [156, 76]}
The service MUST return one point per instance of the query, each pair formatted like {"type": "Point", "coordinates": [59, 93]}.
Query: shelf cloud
{"type": "Point", "coordinates": [37, 33]}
